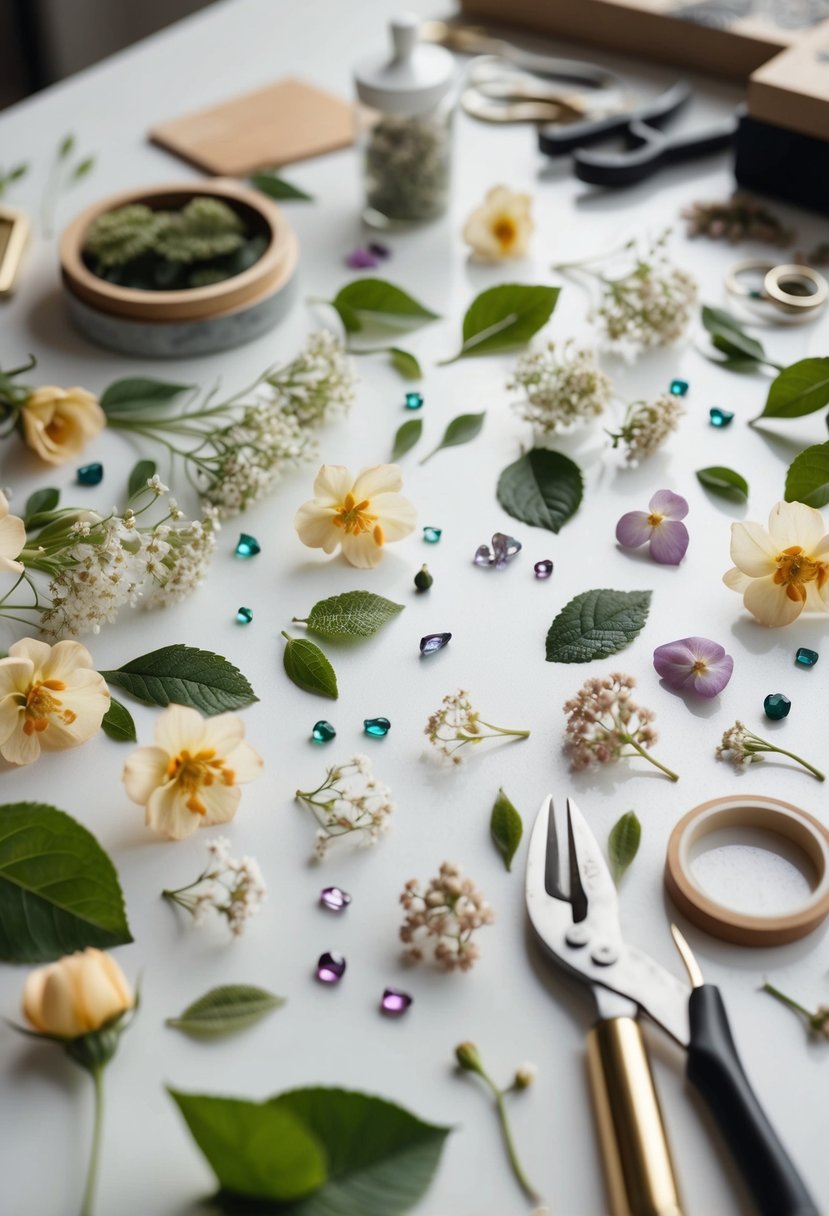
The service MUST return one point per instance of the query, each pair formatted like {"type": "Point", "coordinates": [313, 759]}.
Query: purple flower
{"type": "Point", "coordinates": [362, 259]}
{"type": "Point", "coordinates": [658, 527]}
{"type": "Point", "coordinates": [694, 665]}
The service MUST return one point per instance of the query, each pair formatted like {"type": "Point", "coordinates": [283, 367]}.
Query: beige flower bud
{"type": "Point", "coordinates": [77, 994]}
{"type": "Point", "coordinates": [58, 422]}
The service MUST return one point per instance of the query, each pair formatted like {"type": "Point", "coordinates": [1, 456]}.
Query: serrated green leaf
{"type": "Point", "coordinates": [623, 844]}
{"type": "Point", "coordinates": [808, 477]}
{"type": "Point", "coordinates": [183, 675]}
{"type": "Point", "coordinates": [406, 437]}
{"type": "Point", "coordinates": [270, 183]}
{"type": "Point", "coordinates": [404, 362]}
{"type": "Point", "coordinates": [369, 304]}
{"type": "Point", "coordinates": [138, 393]}
{"type": "Point", "coordinates": [541, 488]}
{"type": "Point", "coordinates": [307, 667]}
{"type": "Point", "coordinates": [354, 614]}
{"type": "Point", "coordinates": [59, 891]}
{"type": "Point", "coordinates": [798, 390]}
{"type": "Point", "coordinates": [117, 723]}
{"type": "Point", "coordinates": [505, 317]}
{"type": "Point", "coordinates": [140, 475]}
{"type": "Point", "coordinates": [505, 828]}
{"type": "Point", "coordinates": [596, 624]}
{"type": "Point", "coordinates": [462, 429]}
{"type": "Point", "coordinates": [723, 481]}
{"type": "Point", "coordinates": [226, 1009]}
{"type": "Point", "coordinates": [40, 502]}
{"type": "Point", "coordinates": [728, 336]}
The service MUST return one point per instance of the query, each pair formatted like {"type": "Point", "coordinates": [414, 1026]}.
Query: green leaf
{"type": "Point", "coordinates": [462, 429]}
{"type": "Point", "coordinates": [138, 393]}
{"type": "Point", "coordinates": [728, 336]}
{"type": "Point", "coordinates": [808, 477]}
{"type": "Point", "coordinates": [374, 303]}
{"type": "Point", "coordinates": [183, 675]}
{"type": "Point", "coordinates": [362, 1156]}
{"type": "Point", "coordinates": [270, 183]}
{"type": "Point", "coordinates": [406, 437]}
{"type": "Point", "coordinates": [226, 1009]}
{"type": "Point", "coordinates": [40, 502]}
{"type": "Point", "coordinates": [83, 168]}
{"type": "Point", "coordinates": [140, 475]}
{"type": "Point", "coordinates": [723, 481]}
{"type": "Point", "coordinates": [308, 668]}
{"type": "Point", "coordinates": [118, 724]}
{"type": "Point", "coordinates": [541, 488]}
{"type": "Point", "coordinates": [404, 362]}
{"type": "Point", "coordinates": [623, 844]}
{"type": "Point", "coordinates": [505, 828]}
{"type": "Point", "coordinates": [59, 891]}
{"type": "Point", "coordinates": [505, 317]}
{"type": "Point", "coordinates": [66, 146]}
{"type": "Point", "coordinates": [798, 390]}
{"type": "Point", "coordinates": [354, 614]}
{"type": "Point", "coordinates": [595, 624]}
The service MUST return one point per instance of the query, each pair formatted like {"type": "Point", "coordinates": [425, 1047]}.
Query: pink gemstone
{"type": "Point", "coordinates": [394, 1002]}
{"type": "Point", "coordinates": [335, 899]}
{"type": "Point", "coordinates": [330, 968]}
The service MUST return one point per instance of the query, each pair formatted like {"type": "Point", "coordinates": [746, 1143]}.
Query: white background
{"type": "Point", "coordinates": [512, 1004]}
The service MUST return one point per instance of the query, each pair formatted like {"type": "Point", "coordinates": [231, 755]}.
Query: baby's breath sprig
{"type": "Point", "coordinates": [349, 802]}
{"type": "Point", "coordinates": [232, 887]}
{"type": "Point", "coordinates": [742, 747]}
{"type": "Point", "coordinates": [456, 723]}
{"type": "Point", "coordinates": [647, 426]}
{"type": "Point", "coordinates": [560, 387]}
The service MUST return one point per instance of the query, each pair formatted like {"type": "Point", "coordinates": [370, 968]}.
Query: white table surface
{"type": "Point", "coordinates": [512, 1004]}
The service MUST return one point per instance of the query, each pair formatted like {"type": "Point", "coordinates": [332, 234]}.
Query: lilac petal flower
{"type": "Point", "coordinates": [634, 529]}
{"type": "Point", "coordinates": [694, 665]}
{"type": "Point", "coordinates": [668, 504]}
{"type": "Point", "coordinates": [361, 259]}
{"type": "Point", "coordinates": [659, 527]}
{"type": "Point", "coordinates": [669, 541]}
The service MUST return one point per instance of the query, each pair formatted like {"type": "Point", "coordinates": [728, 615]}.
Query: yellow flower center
{"type": "Point", "coordinates": [193, 772]}
{"type": "Point", "coordinates": [505, 231]}
{"type": "Point", "coordinates": [40, 704]}
{"type": "Point", "coordinates": [57, 429]}
{"type": "Point", "coordinates": [355, 518]}
{"type": "Point", "coordinates": [700, 667]}
{"type": "Point", "coordinates": [655, 519]}
{"type": "Point", "coordinates": [795, 569]}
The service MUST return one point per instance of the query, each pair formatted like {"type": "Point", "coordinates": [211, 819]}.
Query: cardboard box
{"type": "Point", "coordinates": [792, 90]}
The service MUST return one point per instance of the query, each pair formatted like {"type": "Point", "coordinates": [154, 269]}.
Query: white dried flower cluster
{"type": "Point", "coordinates": [349, 802]}
{"type": "Point", "coordinates": [603, 721]}
{"type": "Point", "coordinates": [233, 887]}
{"type": "Point", "coordinates": [251, 456]}
{"type": "Point", "coordinates": [456, 723]}
{"type": "Point", "coordinates": [647, 425]}
{"type": "Point", "coordinates": [319, 383]}
{"type": "Point", "coordinates": [560, 388]}
{"type": "Point", "coordinates": [649, 306]}
{"type": "Point", "coordinates": [736, 746]}
{"type": "Point", "coordinates": [448, 911]}
{"type": "Point", "coordinates": [187, 561]}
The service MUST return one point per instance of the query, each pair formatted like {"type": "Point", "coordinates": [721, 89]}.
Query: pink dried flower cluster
{"type": "Point", "coordinates": [449, 910]}
{"type": "Point", "coordinates": [605, 725]}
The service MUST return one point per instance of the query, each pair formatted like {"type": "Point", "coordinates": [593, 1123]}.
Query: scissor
{"type": "Point", "coordinates": [573, 907]}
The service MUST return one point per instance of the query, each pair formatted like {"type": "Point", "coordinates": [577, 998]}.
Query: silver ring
{"type": "Point", "coordinates": [795, 293]}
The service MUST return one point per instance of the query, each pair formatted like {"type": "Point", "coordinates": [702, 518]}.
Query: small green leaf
{"type": "Point", "coordinates": [117, 723]}
{"type": "Point", "coordinates": [140, 475]}
{"type": "Point", "coordinates": [270, 183]}
{"type": "Point", "coordinates": [354, 614]}
{"type": "Point", "coordinates": [505, 828]}
{"type": "Point", "coordinates": [406, 437]}
{"type": "Point", "coordinates": [505, 317]}
{"type": "Point", "coordinates": [808, 477]}
{"type": "Point", "coordinates": [40, 502]}
{"type": "Point", "coordinates": [623, 844]}
{"type": "Point", "coordinates": [83, 168]}
{"type": "Point", "coordinates": [307, 667]}
{"type": "Point", "coordinates": [183, 675]}
{"type": "Point", "coordinates": [798, 390]}
{"type": "Point", "coordinates": [373, 303]}
{"type": "Point", "coordinates": [137, 393]}
{"type": "Point", "coordinates": [596, 624]}
{"type": "Point", "coordinates": [226, 1009]}
{"type": "Point", "coordinates": [728, 336]}
{"type": "Point", "coordinates": [462, 429]}
{"type": "Point", "coordinates": [66, 146]}
{"type": "Point", "coordinates": [723, 481]}
{"type": "Point", "coordinates": [541, 488]}
{"type": "Point", "coordinates": [404, 362]}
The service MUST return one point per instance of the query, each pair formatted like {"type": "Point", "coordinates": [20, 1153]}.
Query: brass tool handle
{"type": "Point", "coordinates": [634, 1145]}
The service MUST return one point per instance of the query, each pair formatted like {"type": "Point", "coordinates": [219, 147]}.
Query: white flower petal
{"type": "Point", "coordinates": [381, 479]}
{"type": "Point", "coordinates": [16, 674]}
{"type": "Point", "coordinates": [168, 813]}
{"type": "Point", "coordinates": [768, 602]}
{"type": "Point", "coordinates": [752, 549]}
{"type": "Point", "coordinates": [362, 551]}
{"type": "Point", "coordinates": [793, 523]}
{"type": "Point", "coordinates": [178, 728]}
{"type": "Point", "coordinates": [314, 527]}
{"type": "Point", "coordinates": [396, 515]}
{"type": "Point", "coordinates": [736, 580]}
{"type": "Point", "coordinates": [223, 733]}
{"type": "Point", "coordinates": [20, 748]}
{"type": "Point", "coordinates": [12, 537]}
{"type": "Point", "coordinates": [64, 660]}
{"type": "Point", "coordinates": [36, 652]}
{"type": "Point", "coordinates": [144, 771]}
{"type": "Point", "coordinates": [221, 801]}
{"type": "Point", "coordinates": [333, 482]}
{"type": "Point", "coordinates": [245, 762]}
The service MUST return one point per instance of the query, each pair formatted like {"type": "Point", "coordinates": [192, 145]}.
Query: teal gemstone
{"type": "Point", "coordinates": [247, 546]}
{"type": "Point", "coordinates": [679, 387]}
{"type": "Point", "coordinates": [720, 417]}
{"type": "Point", "coordinates": [90, 475]}
{"type": "Point", "coordinates": [414, 401]}
{"type": "Point", "coordinates": [806, 657]}
{"type": "Point", "coordinates": [432, 535]}
{"type": "Point", "coordinates": [376, 727]}
{"type": "Point", "coordinates": [776, 706]}
{"type": "Point", "coordinates": [244, 616]}
{"type": "Point", "coordinates": [323, 732]}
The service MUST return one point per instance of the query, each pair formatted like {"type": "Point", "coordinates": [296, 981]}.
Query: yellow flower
{"type": "Point", "coordinates": [191, 778]}
{"type": "Point", "coordinates": [785, 570]}
{"type": "Point", "coordinates": [77, 994]}
{"type": "Point", "coordinates": [501, 227]}
{"type": "Point", "coordinates": [58, 422]}
{"type": "Point", "coordinates": [50, 698]}
{"type": "Point", "coordinates": [360, 515]}
{"type": "Point", "coordinates": [12, 538]}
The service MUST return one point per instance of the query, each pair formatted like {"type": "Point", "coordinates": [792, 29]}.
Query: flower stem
{"type": "Point", "coordinates": [787, 1000]}
{"type": "Point", "coordinates": [95, 1152]}
{"type": "Point", "coordinates": [512, 1153]}
{"type": "Point", "coordinates": [653, 760]}
{"type": "Point", "coordinates": [501, 730]}
{"type": "Point", "coordinates": [799, 760]}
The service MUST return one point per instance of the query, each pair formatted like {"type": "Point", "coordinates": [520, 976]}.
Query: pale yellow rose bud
{"type": "Point", "coordinates": [77, 994]}
{"type": "Point", "coordinates": [58, 422]}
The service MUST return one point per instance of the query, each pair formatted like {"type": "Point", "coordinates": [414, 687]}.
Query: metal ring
{"type": "Point", "coordinates": [732, 280]}
{"type": "Point", "coordinates": [806, 301]}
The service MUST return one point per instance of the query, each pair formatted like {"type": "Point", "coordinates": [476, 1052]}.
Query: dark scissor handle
{"type": "Point", "coordinates": [556, 140]}
{"type": "Point", "coordinates": [648, 150]}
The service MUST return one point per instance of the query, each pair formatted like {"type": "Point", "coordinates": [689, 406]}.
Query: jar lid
{"type": "Point", "coordinates": [412, 79]}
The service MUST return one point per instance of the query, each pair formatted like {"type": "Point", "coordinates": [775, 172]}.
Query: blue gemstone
{"type": "Point", "coordinates": [322, 732]}
{"type": "Point", "coordinates": [434, 642]}
{"type": "Point", "coordinates": [244, 616]}
{"type": "Point", "coordinates": [679, 387]}
{"type": "Point", "coordinates": [806, 657]}
{"type": "Point", "coordinates": [776, 706]}
{"type": "Point", "coordinates": [376, 727]}
{"type": "Point", "coordinates": [247, 546]}
{"type": "Point", "coordinates": [720, 417]}
{"type": "Point", "coordinates": [432, 535]}
{"type": "Point", "coordinates": [90, 475]}
{"type": "Point", "coordinates": [414, 401]}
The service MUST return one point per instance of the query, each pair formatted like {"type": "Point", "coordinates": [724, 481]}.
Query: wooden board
{"type": "Point", "coordinates": [792, 90]}
{"type": "Point", "coordinates": [284, 122]}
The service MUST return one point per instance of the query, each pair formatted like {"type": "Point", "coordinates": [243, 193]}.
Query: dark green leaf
{"type": "Point", "coordinates": [724, 482]}
{"type": "Point", "coordinates": [506, 828]}
{"type": "Point", "coordinates": [354, 614]}
{"type": "Point", "coordinates": [541, 488]}
{"type": "Point", "coordinates": [404, 362]}
{"type": "Point", "coordinates": [269, 182]}
{"type": "Point", "coordinates": [39, 502]}
{"type": "Point", "coordinates": [623, 844]}
{"type": "Point", "coordinates": [728, 336]}
{"type": "Point", "coordinates": [505, 317]}
{"type": "Point", "coordinates": [808, 477]}
{"type": "Point", "coordinates": [140, 475]}
{"type": "Point", "coordinates": [406, 437]}
{"type": "Point", "coordinates": [462, 429]}
{"type": "Point", "coordinates": [183, 675]}
{"type": "Point", "coordinates": [226, 1009]}
{"type": "Point", "coordinates": [118, 723]}
{"type": "Point", "coordinates": [798, 390]}
{"type": "Point", "coordinates": [595, 624]}
{"type": "Point", "coordinates": [374, 303]}
{"type": "Point", "coordinates": [137, 393]}
{"type": "Point", "coordinates": [59, 891]}
{"type": "Point", "coordinates": [308, 668]}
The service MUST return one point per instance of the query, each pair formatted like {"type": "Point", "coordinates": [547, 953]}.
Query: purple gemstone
{"type": "Point", "coordinates": [361, 259]}
{"type": "Point", "coordinates": [330, 968]}
{"type": "Point", "coordinates": [335, 899]}
{"type": "Point", "coordinates": [543, 569]}
{"type": "Point", "coordinates": [504, 547]}
{"type": "Point", "coordinates": [433, 642]}
{"type": "Point", "coordinates": [379, 251]}
{"type": "Point", "coordinates": [483, 556]}
{"type": "Point", "coordinates": [395, 1003]}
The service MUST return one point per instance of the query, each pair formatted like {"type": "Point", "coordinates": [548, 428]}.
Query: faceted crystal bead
{"type": "Point", "coordinates": [361, 259]}
{"type": "Point", "coordinates": [330, 968]}
{"type": "Point", "coordinates": [543, 569]}
{"type": "Point", "coordinates": [432, 535]}
{"type": "Point", "coordinates": [679, 388]}
{"type": "Point", "coordinates": [414, 401]}
{"type": "Point", "coordinates": [483, 556]}
{"type": "Point", "coordinates": [806, 657]}
{"type": "Point", "coordinates": [322, 732]}
{"type": "Point", "coordinates": [379, 250]}
{"type": "Point", "coordinates": [247, 546]}
{"type": "Point", "coordinates": [90, 474]}
{"type": "Point", "coordinates": [503, 548]}
{"type": "Point", "coordinates": [376, 727]}
{"type": "Point", "coordinates": [776, 706]}
{"type": "Point", "coordinates": [394, 1003]}
{"type": "Point", "coordinates": [335, 899]}
{"type": "Point", "coordinates": [244, 616]}
{"type": "Point", "coordinates": [720, 418]}
{"type": "Point", "coordinates": [434, 642]}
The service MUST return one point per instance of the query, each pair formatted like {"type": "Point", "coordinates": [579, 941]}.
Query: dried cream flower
{"type": "Point", "coordinates": [449, 910]}
{"type": "Point", "coordinates": [560, 388]}
{"type": "Point", "coordinates": [57, 423]}
{"type": "Point", "coordinates": [233, 887]}
{"type": "Point", "coordinates": [783, 571]}
{"type": "Point", "coordinates": [78, 994]}
{"type": "Point", "coordinates": [456, 723]}
{"type": "Point", "coordinates": [501, 227]}
{"type": "Point", "coordinates": [349, 802]}
{"type": "Point", "coordinates": [12, 538]}
{"type": "Point", "coordinates": [605, 725]}
{"type": "Point", "coordinates": [359, 514]}
{"type": "Point", "coordinates": [646, 426]}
